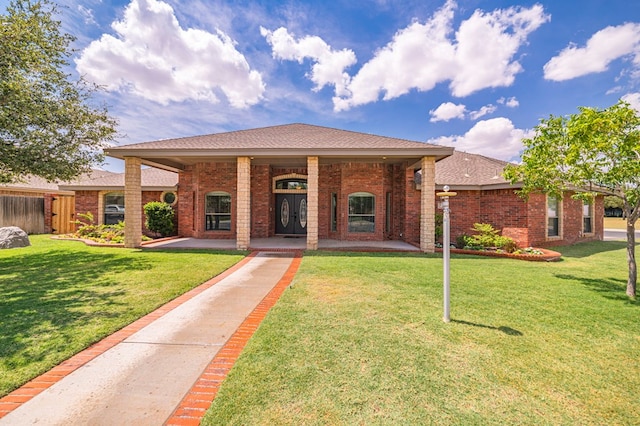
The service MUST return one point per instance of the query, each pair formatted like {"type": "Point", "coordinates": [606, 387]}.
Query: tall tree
{"type": "Point", "coordinates": [48, 127]}
{"type": "Point", "coordinates": [594, 150]}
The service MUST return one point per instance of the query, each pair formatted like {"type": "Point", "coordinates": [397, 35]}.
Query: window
{"type": "Point", "coordinates": [362, 216]}
{"type": "Point", "coordinates": [169, 197]}
{"type": "Point", "coordinates": [334, 212]}
{"type": "Point", "coordinates": [113, 208]}
{"type": "Point", "coordinates": [553, 216]}
{"type": "Point", "coordinates": [587, 214]}
{"type": "Point", "coordinates": [218, 211]}
{"type": "Point", "coordinates": [293, 183]}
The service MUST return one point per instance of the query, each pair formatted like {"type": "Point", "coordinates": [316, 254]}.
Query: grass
{"type": "Point", "coordinates": [359, 339]}
{"type": "Point", "coordinates": [58, 297]}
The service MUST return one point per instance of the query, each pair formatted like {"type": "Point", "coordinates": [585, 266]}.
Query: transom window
{"type": "Point", "coordinates": [553, 216]}
{"type": "Point", "coordinates": [362, 212]}
{"type": "Point", "coordinates": [291, 184]}
{"type": "Point", "coordinates": [587, 214]}
{"type": "Point", "coordinates": [218, 211]}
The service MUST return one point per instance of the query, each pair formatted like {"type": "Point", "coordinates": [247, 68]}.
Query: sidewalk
{"type": "Point", "coordinates": [156, 372]}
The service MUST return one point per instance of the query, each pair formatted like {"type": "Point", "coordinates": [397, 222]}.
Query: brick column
{"type": "Point", "coordinates": [312, 203]}
{"type": "Point", "coordinates": [428, 205]}
{"type": "Point", "coordinates": [132, 202]}
{"type": "Point", "coordinates": [243, 209]}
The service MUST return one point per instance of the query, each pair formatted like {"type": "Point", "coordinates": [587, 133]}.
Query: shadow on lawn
{"type": "Point", "coordinates": [506, 330]}
{"type": "Point", "coordinates": [609, 288]}
{"type": "Point", "coordinates": [45, 294]}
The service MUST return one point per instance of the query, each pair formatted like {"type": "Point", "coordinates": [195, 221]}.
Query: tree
{"type": "Point", "coordinates": [594, 151]}
{"type": "Point", "coordinates": [47, 126]}
{"type": "Point", "coordinates": [159, 218]}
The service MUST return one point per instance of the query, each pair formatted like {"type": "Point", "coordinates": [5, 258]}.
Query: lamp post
{"type": "Point", "coordinates": [446, 248]}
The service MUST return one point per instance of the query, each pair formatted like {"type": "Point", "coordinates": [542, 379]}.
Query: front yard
{"type": "Point", "coordinates": [359, 339]}
{"type": "Point", "coordinates": [58, 297]}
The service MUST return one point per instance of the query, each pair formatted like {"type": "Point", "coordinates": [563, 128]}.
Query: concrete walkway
{"type": "Point", "coordinates": [147, 377]}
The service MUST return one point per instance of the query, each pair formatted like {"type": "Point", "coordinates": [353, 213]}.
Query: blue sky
{"type": "Point", "coordinates": [472, 74]}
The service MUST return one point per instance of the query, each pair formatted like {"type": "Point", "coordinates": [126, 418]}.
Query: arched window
{"type": "Point", "coordinates": [362, 212]}
{"type": "Point", "coordinates": [113, 208]}
{"type": "Point", "coordinates": [218, 211]}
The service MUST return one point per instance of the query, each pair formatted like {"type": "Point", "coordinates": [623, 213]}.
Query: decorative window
{"type": "Point", "coordinates": [292, 183]}
{"type": "Point", "coordinates": [169, 197]}
{"type": "Point", "coordinates": [334, 212]}
{"type": "Point", "coordinates": [553, 216]}
{"type": "Point", "coordinates": [113, 208]}
{"type": "Point", "coordinates": [218, 211]}
{"type": "Point", "coordinates": [587, 215]}
{"type": "Point", "coordinates": [362, 212]}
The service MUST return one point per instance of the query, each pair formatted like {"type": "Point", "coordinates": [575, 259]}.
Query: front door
{"type": "Point", "coordinates": [291, 214]}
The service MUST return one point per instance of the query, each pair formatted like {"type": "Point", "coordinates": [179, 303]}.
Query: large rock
{"type": "Point", "coordinates": [12, 237]}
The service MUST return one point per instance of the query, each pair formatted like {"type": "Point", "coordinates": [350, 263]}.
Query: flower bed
{"type": "Point", "coordinates": [531, 254]}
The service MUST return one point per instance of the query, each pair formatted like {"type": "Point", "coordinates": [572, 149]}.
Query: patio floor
{"type": "Point", "coordinates": [284, 244]}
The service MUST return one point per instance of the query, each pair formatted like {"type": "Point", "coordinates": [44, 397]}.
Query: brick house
{"type": "Point", "coordinates": [38, 206]}
{"type": "Point", "coordinates": [103, 195]}
{"type": "Point", "coordinates": [292, 180]}
{"type": "Point", "coordinates": [484, 196]}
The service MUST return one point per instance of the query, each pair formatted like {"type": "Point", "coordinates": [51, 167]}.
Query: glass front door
{"type": "Point", "coordinates": [291, 214]}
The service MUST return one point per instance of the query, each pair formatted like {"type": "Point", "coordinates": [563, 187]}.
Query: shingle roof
{"type": "Point", "coordinates": [463, 168]}
{"type": "Point", "coordinates": [150, 178]}
{"type": "Point", "coordinates": [37, 183]}
{"type": "Point", "coordinates": [466, 170]}
{"type": "Point", "coordinates": [289, 136]}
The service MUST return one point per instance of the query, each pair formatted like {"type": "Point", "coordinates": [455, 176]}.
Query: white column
{"type": "Point", "coordinates": [312, 202]}
{"type": "Point", "coordinates": [132, 202]}
{"type": "Point", "coordinates": [428, 205]}
{"type": "Point", "coordinates": [243, 209]}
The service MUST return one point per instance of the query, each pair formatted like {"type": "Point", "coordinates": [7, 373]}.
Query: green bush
{"type": "Point", "coordinates": [488, 237]}
{"type": "Point", "coordinates": [88, 230]}
{"type": "Point", "coordinates": [159, 218]}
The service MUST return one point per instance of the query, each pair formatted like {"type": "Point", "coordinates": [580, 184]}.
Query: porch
{"type": "Point", "coordinates": [284, 244]}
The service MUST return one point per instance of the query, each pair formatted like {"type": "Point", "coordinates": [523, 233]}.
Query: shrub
{"type": "Point", "coordinates": [488, 237]}
{"type": "Point", "coordinates": [88, 230]}
{"type": "Point", "coordinates": [159, 218]}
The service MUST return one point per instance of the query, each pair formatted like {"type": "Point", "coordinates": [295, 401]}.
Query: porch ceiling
{"type": "Point", "coordinates": [178, 161]}
{"type": "Point", "coordinates": [287, 145]}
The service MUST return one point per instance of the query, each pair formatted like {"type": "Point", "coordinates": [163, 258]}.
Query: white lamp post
{"type": "Point", "coordinates": [446, 246]}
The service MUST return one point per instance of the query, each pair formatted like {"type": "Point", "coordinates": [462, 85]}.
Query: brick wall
{"type": "Point", "coordinates": [87, 201]}
{"type": "Point", "coordinates": [261, 204]}
{"type": "Point", "coordinates": [523, 220]}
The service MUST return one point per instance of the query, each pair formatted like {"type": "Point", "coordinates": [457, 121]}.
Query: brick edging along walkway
{"type": "Point", "coordinates": [32, 388]}
{"type": "Point", "coordinates": [198, 400]}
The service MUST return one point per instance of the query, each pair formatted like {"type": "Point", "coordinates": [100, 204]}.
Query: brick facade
{"type": "Point", "coordinates": [523, 220]}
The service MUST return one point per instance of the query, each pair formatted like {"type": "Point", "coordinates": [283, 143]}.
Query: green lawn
{"type": "Point", "coordinates": [359, 339]}
{"type": "Point", "coordinates": [58, 297]}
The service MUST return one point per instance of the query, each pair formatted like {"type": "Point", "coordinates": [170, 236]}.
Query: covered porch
{"type": "Point", "coordinates": [284, 244]}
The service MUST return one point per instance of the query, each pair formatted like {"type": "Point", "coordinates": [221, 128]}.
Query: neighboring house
{"type": "Point", "coordinates": [104, 196]}
{"type": "Point", "coordinates": [484, 196]}
{"type": "Point", "coordinates": [38, 206]}
{"type": "Point", "coordinates": [293, 180]}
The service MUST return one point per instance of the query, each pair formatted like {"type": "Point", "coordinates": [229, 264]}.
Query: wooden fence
{"type": "Point", "coordinates": [63, 212]}
{"type": "Point", "coordinates": [27, 213]}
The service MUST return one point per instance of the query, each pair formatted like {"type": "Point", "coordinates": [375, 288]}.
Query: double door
{"type": "Point", "coordinates": [291, 214]}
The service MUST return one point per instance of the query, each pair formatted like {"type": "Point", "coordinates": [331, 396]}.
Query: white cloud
{"type": "Point", "coordinates": [511, 102]}
{"type": "Point", "coordinates": [497, 138]}
{"type": "Point", "coordinates": [601, 49]}
{"type": "Point", "coordinates": [155, 58]}
{"type": "Point", "coordinates": [424, 54]}
{"type": "Point", "coordinates": [633, 99]}
{"type": "Point", "coordinates": [447, 111]}
{"type": "Point", "coordinates": [487, 109]}
{"type": "Point", "coordinates": [329, 65]}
